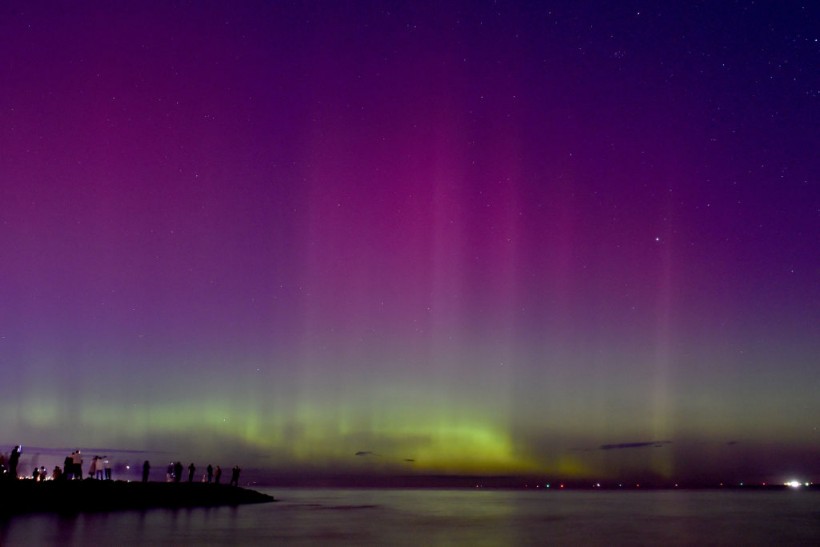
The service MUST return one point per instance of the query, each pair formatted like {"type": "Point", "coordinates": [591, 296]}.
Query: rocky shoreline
{"type": "Point", "coordinates": [26, 496]}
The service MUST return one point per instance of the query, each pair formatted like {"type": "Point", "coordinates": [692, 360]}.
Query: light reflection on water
{"type": "Point", "coordinates": [449, 517]}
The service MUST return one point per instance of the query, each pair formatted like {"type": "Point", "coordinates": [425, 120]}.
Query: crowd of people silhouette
{"type": "Point", "coordinates": [100, 469]}
{"type": "Point", "coordinates": [174, 471]}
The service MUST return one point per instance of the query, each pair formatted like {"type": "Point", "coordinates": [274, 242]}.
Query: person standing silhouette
{"type": "Point", "coordinates": [191, 471]}
{"type": "Point", "coordinates": [235, 475]}
{"type": "Point", "coordinates": [217, 475]}
{"type": "Point", "coordinates": [14, 459]}
{"type": "Point", "coordinates": [210, 473]}
{"type": "Point", "coordinates": [146, 469]}
{"type": "Point", "coordinates": [77, 459]}
{"type": "Point", "coordinates": [68, 466]}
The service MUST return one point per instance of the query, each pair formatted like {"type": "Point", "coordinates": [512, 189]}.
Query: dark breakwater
{"type": "Point", "coordinates": [26, 496]}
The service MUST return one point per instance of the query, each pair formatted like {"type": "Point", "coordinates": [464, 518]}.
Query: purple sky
{"type": "Point", "coordinates": [484, 237]}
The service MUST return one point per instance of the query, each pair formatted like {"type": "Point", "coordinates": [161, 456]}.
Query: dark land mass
{"type": "Point", "coordinates": [27, 496]}
{"type": "Point", "coordinates": [504, 482]}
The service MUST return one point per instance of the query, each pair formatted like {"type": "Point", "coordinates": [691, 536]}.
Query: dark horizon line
{"type": "Point", "coordinates": [268, 479]}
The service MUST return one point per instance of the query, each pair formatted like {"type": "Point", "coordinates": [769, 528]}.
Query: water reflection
{"type": "Point", "coordinates": [402, 517]}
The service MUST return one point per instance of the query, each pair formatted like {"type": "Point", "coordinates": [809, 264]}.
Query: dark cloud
{"type": "Point", "coordinates": [618, 446]}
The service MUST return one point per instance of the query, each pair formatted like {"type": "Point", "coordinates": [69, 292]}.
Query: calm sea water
{"type": "Point", "coordinates": [450, 517]}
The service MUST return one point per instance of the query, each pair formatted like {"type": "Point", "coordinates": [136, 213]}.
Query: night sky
{"type": "Point", "coordinates": [571, 239]}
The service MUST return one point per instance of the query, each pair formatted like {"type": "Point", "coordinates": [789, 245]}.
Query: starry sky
{"type": "Point", "coordinates": [572, 239]}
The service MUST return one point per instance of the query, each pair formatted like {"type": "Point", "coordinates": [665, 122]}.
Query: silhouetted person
{"type": "Point", "coordinates": [177, 471]}
{"type": "Point", "coordinates": [235, 475]}
{"type": "Point", "coordinates": [68, 467]}
{"type": "Point", "coordinates": [210, 473]}
{"type": "Point", "coordinates": [107, 468]}
{"type": "Point", "coordinates": [57, 474]}
{"type": "Point", "coordinates": [146, 468]}
{"type": "Point", "coordinates": [217, 475]}
{"type": "Point", "coordinates": [14, 459]}
{"type": "Point", "coordinates": [3, 466]}
{"type": "Point", "coordinates": [35, 474]}
{"type": "Point", "coordinates": [191, 471]}
{"type": "Point", "coordinates": [77, 459]}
